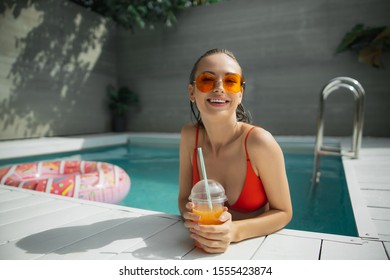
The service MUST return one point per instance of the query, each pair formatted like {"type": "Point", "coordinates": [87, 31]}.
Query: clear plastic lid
{"type": "Point", "coordinates": [199, 194]}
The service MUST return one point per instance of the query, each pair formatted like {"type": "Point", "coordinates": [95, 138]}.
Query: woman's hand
{"type": "Point", "coordinates": [189, 217]}
{"type": "Point", "coordinates": [211, 238]}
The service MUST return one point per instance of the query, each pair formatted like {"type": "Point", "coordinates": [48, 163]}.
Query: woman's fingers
{"type": "Point", "coordinates": [190, 219]}
{"type": "Point", "coordinates": [210, 235]}
{"type": "Point", "coordinates": [191, 216]}
{"type": "Point", "coordinates": [225, 216]}
{"type": "Point", "coordinates": [189, 206]}
{"type": "Point", "coordinates": [211, 250]}
{"type": "Point", "coordinates": [210, 245]}
{"type": "Point", "coordinates": [213, 233]}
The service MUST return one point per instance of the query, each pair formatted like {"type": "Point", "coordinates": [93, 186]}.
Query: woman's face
{"type": "Point", "coordinates": [218, 101]}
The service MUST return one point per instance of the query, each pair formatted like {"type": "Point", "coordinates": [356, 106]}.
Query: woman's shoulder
{"type": "Point", "coordinates": [188, 129]}
{"type": "Point", "coordinates": [261, 140]}
{"type": "Point", "coordinates": [188, 134]}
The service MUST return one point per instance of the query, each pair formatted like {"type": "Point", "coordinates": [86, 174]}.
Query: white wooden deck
{"type": "Point", "coordinates": [37, 225]}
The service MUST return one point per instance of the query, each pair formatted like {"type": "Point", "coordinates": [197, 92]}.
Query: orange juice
{"type": "Point", "coordinates": [208, 216]}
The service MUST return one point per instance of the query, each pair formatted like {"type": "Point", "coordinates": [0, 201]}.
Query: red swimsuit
{"type": "Point", "coordinates": [252, 196]}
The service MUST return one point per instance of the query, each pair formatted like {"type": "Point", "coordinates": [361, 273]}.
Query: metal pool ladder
{"type": "Point", "coordinates": [359, 95]}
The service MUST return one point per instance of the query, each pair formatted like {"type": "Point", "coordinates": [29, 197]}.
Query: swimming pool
{"type": "Point", "coordinates": [154, 175]}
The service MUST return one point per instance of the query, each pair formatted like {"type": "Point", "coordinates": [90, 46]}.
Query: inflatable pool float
{"type": "Point", "coordinates": [91, 180]}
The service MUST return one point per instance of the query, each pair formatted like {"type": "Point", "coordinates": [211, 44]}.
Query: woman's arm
{"type": "Point", "coordinates": [187, 144]}
{"type": "Point", "coordinates": [268, 161]}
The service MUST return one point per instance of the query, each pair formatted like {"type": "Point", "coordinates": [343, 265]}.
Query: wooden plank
{"type": "Point", "coordinates": [48, 221]}
{"type": "Point", "coordinates": [387, 248]}
{"type": "Point", "coordinates": [375, 186]}
{"type": "Point", "coordinates": [374, 153]}
{"type": "Point", "coordinates": [171, 243]}
{"type": "Point", "coordinates": [4, 197]}
{"type": "Point", "coordinates": [380, 213]}
{"type": "Point", "coordinates": [373, 172]}
{"type": "Point", "coordinates": [364, 223]}
{"type": "Point", "coordinates": [284, 247]}
{"type": "Point", "coordinates": [319, 235]}
{"type": "Point", "coordinates": [24, 201]}
{"type": "Point", "coordinates": [32, 211]}
{"type": "Point", "coordinates": [376, 198]}
{"type": "Point", "coordinates": [382, 226]}
{"type": "Point", "coordinates": [45, 242]}
{"type": "Point", "coordinates": [108, 243]}
{"type": "Point", "coordinates": [384, 237]}
{"type": "Point", "coordinates": [3, 191]}
{"type": "Point", "coordinates": [368, 250]}
{"type": "Point", "coordinates": [243, 250]}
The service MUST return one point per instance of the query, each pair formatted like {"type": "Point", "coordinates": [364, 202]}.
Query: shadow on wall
{"type": "Point", "coordinates": [49, 50]}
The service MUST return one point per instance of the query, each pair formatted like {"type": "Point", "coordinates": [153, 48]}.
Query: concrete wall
{"type": "Point", "coordinates": [56, 60]}
{"type": "Point", "coordinates": [286, 49]}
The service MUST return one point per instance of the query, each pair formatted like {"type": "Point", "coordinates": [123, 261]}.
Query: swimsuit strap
{"type": "Point", "coordinates": [246, 138]}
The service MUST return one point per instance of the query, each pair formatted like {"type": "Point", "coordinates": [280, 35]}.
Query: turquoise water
{"type": "Point", "coordinates": [154, 176]}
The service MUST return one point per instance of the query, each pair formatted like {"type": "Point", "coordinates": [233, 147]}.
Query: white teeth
{"type": "Point", "coordinates": [217, 101]}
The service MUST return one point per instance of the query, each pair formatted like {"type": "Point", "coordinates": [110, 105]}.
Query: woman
{"type": "Point", "coordinates": [245, 159]}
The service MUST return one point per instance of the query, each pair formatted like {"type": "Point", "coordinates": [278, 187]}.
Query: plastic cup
{"type": "Point", "coordinates": [201, 204]}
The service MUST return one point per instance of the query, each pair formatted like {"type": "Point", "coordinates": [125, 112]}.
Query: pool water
{"type": "Point", "coordinates": [325, 207]}
{"type": "Point", "coordinates": [154, 173]}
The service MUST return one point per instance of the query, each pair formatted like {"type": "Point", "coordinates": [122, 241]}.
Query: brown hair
{"type": "Point", "coordinates": [241, 113]}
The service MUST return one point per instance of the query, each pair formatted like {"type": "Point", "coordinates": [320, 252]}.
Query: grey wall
{"type": "Point", "coordinates": [56, 60]}
{"type": "Point", "coordinates": [286, 49]}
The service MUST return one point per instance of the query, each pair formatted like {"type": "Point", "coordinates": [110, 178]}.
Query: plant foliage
{"type": "Point", "coordinates": [141, 13]}
{"type": "Point", "coordinates": [369, 42]}
{"type": "Point", "coordinates": [121, 99]}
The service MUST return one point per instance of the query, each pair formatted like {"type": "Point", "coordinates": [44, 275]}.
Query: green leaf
{"type": "Point", "coordinates": [142, 13]}
{"type": "Point", "coordinates": [370, 42]}
{"type": "Point", "coordinates": [384, 37]}
{"type": "Point", "coordinates": [349, 38]}
{"type": "Point", "coordinates": [121, 99]}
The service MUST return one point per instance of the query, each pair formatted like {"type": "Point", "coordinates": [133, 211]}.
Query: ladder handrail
{"type": "Point", "coordinates": [359, 97]}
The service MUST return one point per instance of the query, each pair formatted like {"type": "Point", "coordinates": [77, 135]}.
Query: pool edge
{"type": "Point", "coordinates": [365, 225]}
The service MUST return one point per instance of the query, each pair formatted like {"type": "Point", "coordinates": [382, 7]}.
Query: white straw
{"type": "Point", "coordinates": [206, 184]}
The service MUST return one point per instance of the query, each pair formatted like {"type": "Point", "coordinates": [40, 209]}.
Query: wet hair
{"type": "Point", "coordinates": [242, 114]}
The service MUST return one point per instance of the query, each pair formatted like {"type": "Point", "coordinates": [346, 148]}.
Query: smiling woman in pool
{"type": "Point", "coordinates": [245, 159]}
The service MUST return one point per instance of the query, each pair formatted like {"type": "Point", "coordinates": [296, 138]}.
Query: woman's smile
{"type": "Point", "coordinates": [218, 102]}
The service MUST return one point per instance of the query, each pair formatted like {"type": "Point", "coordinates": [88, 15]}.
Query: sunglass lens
{"type": "Point", "coordinates": [232, 83]}
{"type": "Point", "coordinates": [205, 82]}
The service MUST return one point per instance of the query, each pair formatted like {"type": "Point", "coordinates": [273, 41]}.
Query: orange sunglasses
{"type": "Point", "coordinates": [206, 82]}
